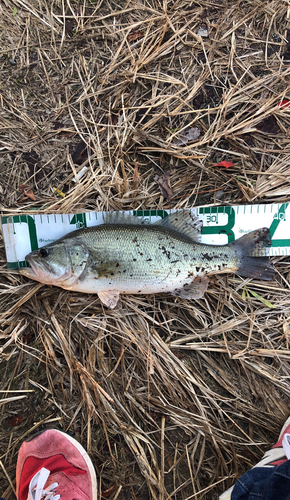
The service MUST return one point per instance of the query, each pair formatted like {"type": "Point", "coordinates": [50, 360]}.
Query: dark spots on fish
{"type": "Point", "coordinates": [178, 272]}
{"type": "Point", "coordinates": [219, 267]}
{"type": "Point", "coordinates": [185, 255]}
{"type": "Point", "coordinates": [202, 269]}
{"type": "Point", "coordinates": [117, 265]}
{"type": "Point", "coordinates": [166, 252]}
{"type": "Point", "coordinates": [125, 270]}
{"type": "Point", "coordinates": [197, 269]}
{"type": "Point", "coordinates": [131, 275]}
{"type": "Point", "coordinates": [174, 261]}
{"type": "Point", "coordinates": [134, 260]}
{"type": "Point", "coordinates": [139, 291]}
{"type": "Point", "coordinates": [135, 240]}
{"type": "Point", "coordinates": [140, 253]}
{"type": "Point", "coordinates": [206, 256]}
{"type": "Point", "coordinates": [148, 260]}
{"type": "Point", "coordinates": [112, 274]}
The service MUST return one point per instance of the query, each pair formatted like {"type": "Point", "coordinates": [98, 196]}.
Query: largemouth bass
{"type": "Point", "coordinates": [124, 255]}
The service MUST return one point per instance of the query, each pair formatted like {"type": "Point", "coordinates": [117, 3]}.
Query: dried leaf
{"type": "Point", "coordinates": [179, 354]}
{"type": "Point", "coordinates": [15, 421]}
{"type": "Point", "coordinates": [192, 134]}
{"type": "Point", "coordinates": [164, 185]}
{"type": "Point", "coordinates": [135, 35]}
{"type": "Point", "coordinates": [226, 164]}
{"type": "Point", "coordinates": [23, 188]}
{"type": "Point", "coordinates": [30, 195]}
{"type": "Point", "coordinates": [108, 492]}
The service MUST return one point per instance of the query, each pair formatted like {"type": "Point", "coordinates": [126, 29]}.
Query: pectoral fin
{"type": "Point", "coordinates": [193, 290]}
{"type": "Point", "coordinates": [109, 298]}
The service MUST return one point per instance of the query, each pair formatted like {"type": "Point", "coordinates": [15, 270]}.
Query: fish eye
{"type": "Point", "coordinates": [43, 252]}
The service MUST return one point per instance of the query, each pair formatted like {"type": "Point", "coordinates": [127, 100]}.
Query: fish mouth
{"type": "Point", "coordinates": [28, 272]}
{"type": "Point", "coordinates": [41, 271]}
{"type": "Point", "coordinates": [37, 271]}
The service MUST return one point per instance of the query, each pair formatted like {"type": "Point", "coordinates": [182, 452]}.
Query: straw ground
{"type": "Point", "coordinates": [173, 399]}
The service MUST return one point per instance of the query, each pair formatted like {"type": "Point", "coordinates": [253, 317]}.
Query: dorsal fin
{"type": "Point", "coordinates": [184, 222]}
{"type": "Point", "coordinates": [122, 218]}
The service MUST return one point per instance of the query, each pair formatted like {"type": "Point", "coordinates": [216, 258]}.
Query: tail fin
{"type": "Point", "coordinates": [248, 249]}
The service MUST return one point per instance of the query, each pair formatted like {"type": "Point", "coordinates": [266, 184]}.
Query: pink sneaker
{"type": "Point", "coordinates": [52, 465]}
{"type": "Point", "coordinates": [278, 454]}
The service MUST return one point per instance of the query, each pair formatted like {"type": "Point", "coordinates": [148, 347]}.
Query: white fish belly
{"type": "Point", "coordinates": [158, 285]}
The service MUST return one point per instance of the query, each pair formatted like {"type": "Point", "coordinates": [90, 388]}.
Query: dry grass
{"type": "Point", "coordinates": [173, 399]}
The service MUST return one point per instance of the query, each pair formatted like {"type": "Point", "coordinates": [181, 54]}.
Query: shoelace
{"type": "Point", "coordinates": [36, 487]}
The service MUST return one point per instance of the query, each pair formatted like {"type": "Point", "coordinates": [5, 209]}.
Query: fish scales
{"type": "Point", "coordinates": [140, 259]}
{"type": "Point", "coordinates": [122, 256]}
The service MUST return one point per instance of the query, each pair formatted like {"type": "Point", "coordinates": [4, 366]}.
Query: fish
{"type": "Point", "coordinates": [125, 255]}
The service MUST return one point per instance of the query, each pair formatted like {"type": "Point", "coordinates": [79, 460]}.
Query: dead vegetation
{"type": "Point", "coordinates": [173, 399]}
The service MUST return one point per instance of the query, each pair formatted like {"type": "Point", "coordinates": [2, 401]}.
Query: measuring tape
{"type": "Point", "coordinates": [221, 225]}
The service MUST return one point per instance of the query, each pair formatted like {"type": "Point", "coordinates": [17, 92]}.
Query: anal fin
{"type": "Point", "coordinates": [193, 290]}
{"type": "Point", "coordinates": [109, 298]}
